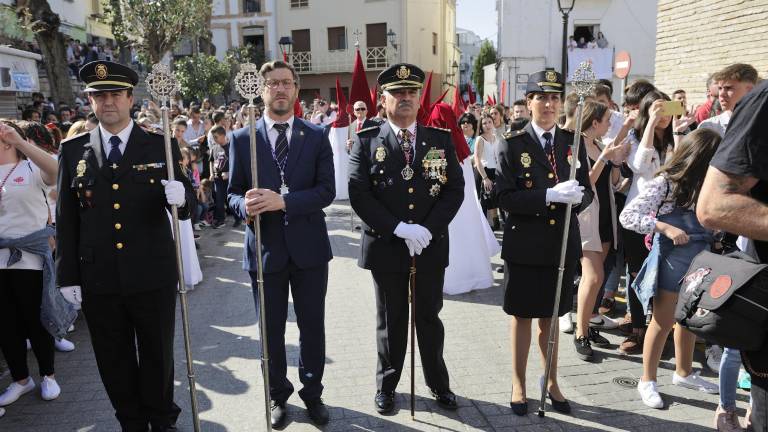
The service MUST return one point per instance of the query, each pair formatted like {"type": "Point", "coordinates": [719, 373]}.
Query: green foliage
{"type": "Point", "coordinates": [486, 56]}
{"type": "Point", "coordinates": [158, 25]}
{"type": "Point", "coordinates": [201, 76]}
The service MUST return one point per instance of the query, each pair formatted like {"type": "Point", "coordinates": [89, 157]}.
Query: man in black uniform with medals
{"type": "Point", "coordinates": [406, 185]}
{"type": "Point", "coordinates": [533, 187]}
{"type": "Point", "coordinates": [115, 248]}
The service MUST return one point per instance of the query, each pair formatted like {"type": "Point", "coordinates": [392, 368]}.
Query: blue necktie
{"type": "Point", "coordinates": [281, 145]}
{"type": "Point", "coordinates": [114, 154]}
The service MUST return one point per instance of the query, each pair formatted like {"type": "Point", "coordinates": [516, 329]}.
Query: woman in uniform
{"type": "Point", "coordinates": [533, 186]}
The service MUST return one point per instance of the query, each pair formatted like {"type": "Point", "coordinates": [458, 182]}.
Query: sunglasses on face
{"type": "Point", "coordinates": [361, 109]}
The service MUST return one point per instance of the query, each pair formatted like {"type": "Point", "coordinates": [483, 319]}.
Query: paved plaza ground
{"type": "Point", "coordinates": [230, 393]}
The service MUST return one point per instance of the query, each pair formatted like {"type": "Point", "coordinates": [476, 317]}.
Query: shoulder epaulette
{"type": "Point", "coordinates": [512, 134]}
{"type": "Point", "coordinates": [370, 128]}
{"type": "Point", "coordinates": [73, 138]}
{"type": "Point", "coordinates": [569, 130]}
{"type": "Point", "coordinates": [440, 129]}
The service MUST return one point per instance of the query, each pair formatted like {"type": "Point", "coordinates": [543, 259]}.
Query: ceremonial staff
{"type": "Point", "coordinates": [249, 84]}
{"type": "Point", "coordinates": [163, 85]}
{"type": "Point", "coordinates": [413, 334]}
{"type": "Point", "coordinates": [583, 83]}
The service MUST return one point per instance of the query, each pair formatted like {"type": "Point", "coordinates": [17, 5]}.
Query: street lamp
{"type": "Point", "coordinates": [285, 46]}
{"type": "Point", "coordinates": [455, 69]}
{"type": "Point", "coordinates": [565, 6]}
{"type": "Point", "coordinates": [392, 37]}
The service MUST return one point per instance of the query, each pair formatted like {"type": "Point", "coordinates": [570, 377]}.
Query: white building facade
{"type": "Point", "coordinates": [530, 39]}
{"type": "Point", "coordinates": [469, 45]}
{"type": "Point", "coordinates": [236, 23]}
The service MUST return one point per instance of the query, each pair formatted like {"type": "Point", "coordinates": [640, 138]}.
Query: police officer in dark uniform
{"type": "Point", "coordinates": [406, 185]}
{"type": "Point", "coordinates": [532, 186]}
{"type": "Point", "coordinates": [115, 248]}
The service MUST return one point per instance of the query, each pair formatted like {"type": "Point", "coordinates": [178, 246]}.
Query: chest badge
{"type": "Point", "coordinates": [381, 154]}
{"type": "Point", "coordinates": [80, 170]}
{"type": "Point", "coordinates": [434, 190]}
{"type": "Point", "coordinates": [435, 164]}
{"type": "Point", "coordinates": [525, 159]}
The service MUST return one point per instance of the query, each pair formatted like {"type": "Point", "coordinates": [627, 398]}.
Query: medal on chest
{"type": "Point", "coordinates": [407, 172]}
{"type": "Point", "coordinates": [435, 164]}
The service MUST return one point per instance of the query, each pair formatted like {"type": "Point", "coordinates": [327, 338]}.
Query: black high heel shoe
{"type": "Point", "coordinates": [559, 406]}
{"type": "Point", "coordinates": [519, 408]}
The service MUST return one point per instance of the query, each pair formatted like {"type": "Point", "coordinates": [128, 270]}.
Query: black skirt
{"type": "Point", "coordinates": [530, 290]}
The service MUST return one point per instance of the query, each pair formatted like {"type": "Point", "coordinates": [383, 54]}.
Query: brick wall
{"type": "Point", "coordinates": [697, 37]}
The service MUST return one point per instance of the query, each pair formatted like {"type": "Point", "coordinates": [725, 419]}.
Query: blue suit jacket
{"type": "Point", "coordinates": [299, 233]}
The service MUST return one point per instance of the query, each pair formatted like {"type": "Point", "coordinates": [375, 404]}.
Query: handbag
{"type": "Point", "coordinates": [589, 223]}
{"type": "Point", "coordinates": [724, 299]}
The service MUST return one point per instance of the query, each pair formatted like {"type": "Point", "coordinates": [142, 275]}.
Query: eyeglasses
{"type": "Point", "coordinates": [274, 84]}
{"type": "Point", "coordinates": [361, 109]}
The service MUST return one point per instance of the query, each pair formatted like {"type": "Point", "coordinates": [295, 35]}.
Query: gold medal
{"type": "Point", "coordinates": [525, 159]}
{"type": "Point", "coordinates": [407, 172]}
{"type": "Point", "coordinates": [80, 168]}
{"type": "Point", "coordinates": [381, 154]}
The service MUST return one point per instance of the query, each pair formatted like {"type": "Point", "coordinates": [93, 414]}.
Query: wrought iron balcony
{"type": "Point", "coordinates": [340, 61]}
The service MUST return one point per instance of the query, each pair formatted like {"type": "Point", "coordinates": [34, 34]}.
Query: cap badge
{"type": "Point", "coordinates": [101, 71]}
{"type": "Point", "coordinates": [403, 72]}
{"type": "Point", "coordinates": [550, 76]}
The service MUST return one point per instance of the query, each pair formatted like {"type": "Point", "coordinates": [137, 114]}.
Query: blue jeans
{"type": "Point", "coordinates": [730, 363]}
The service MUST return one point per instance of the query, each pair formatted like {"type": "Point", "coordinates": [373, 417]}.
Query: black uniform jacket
{"type": "Point", "coordinates": [113, 235]}
{"type": "Point", "coordinates": [534, 229]}
{"type": "Point", "coordinates": [383, 198]}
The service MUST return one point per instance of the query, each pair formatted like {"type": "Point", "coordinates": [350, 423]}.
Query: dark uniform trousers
{"type": "Point", "coordinates": [308, 288]}
{"type": "Point", "coordinates": [392, 317]}
{"type": "Point", "coordinates": [114, 240]}
{"type": "Point", "coordinates": [116, 323]}
{"type": "Point", "coordinates": [383, 198]}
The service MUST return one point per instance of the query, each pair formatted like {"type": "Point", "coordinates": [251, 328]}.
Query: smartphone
{"type": "Point", "coordinates": [672, 108]}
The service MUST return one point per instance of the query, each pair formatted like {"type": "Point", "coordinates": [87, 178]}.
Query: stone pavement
{"type": "Point", "coordinates": [226, 347]}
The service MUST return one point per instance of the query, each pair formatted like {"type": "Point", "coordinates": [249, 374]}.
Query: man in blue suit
{"type": "Point", "coordinates": [296, 181]}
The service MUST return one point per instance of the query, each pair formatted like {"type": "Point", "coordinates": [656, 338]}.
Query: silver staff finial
{"type": "Point", "coordinates": [249, 81]}
{"type": "Point", "coordinates": [162, 84]}
{"type": "Point", "coordinates": [584, 79]}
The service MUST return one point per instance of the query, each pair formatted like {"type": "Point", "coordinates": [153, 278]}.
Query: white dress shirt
{"type": "Point", "coordinates": [540, 132]}
{"type": "Point", "coordinates": [123, 135]}
{"type": "Point", "coordinates": [272, 133]}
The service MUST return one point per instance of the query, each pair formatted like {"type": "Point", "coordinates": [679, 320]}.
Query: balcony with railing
{"type": "Point", "coordinates": [341, 61]}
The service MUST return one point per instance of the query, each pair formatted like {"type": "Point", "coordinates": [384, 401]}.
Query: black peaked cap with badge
{"type": "Point", "coordinates": [106, 76]}
{"type": "Point", "coordinates": [401, 76]}
{"type": "Point", "coordinates": [546, 81]}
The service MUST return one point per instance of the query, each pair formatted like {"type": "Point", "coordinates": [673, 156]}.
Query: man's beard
{"type": "Point", "coordinates": [279, 111]}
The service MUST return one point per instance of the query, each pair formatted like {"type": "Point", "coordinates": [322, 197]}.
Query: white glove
{"type": "Point", "coordinates": [72, 294]}
{"type": "Point", "coordinates": [174, 192]}
{"type": "Point", "coordinates": [567, 192]}
{"type": "Point", "coordinates": [413, 247]}
{"type": "Point", "coordinates": [416, 233]}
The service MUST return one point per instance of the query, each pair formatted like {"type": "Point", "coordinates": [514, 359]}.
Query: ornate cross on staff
{"type": "Point", "coordinates": [163, 86]}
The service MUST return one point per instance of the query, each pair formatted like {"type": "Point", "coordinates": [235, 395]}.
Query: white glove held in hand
{"type": "Point", "coordinates": [415, 233]}
{"type": "Point", "coordinates": [72, 294]}
{"type": "Point", "coordinates": [174, 192]}
{"type": "Point", "coordinates": [567, 192]}
{"type": "Point", "coordinates": [413, 247]}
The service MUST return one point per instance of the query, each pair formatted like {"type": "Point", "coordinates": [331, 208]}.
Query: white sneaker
{"type": "Point", "coordinates": [15, 391]}
{"type": "Point", "coordinates": [650, 394]}
{"type": "Point", "coordinates": [196, 227]}
{"type": "Point", "coordinates": [64, 345]}
{"type": "Point", "coordinates": [2, 412]}
{"type": "Point", "coordinates": [566, 325]}
{"type": "Point", "coordinates": [695, 382]}
{"type": "Point", "coordinates": [49, 389]}
{"type": "Point", "coordinates": [602, 322]}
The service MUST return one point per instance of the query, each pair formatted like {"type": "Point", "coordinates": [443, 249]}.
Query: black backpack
{"type": "Point", "coordinates": [724, 299]}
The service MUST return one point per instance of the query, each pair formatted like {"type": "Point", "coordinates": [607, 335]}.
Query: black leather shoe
{"type": "Point", "coordinates": [519, 408]}
{"type": "Point", "coordinates": [583, 348]}
{"type": "Point", "coordinates": [278, 414]}
{"type": "Point", "coordinates": [559, 406]}
{"type": "Point", "coordinates": [385, 402]}
{"type": "Point", "coordinates": [317, 412]}
{"type": "Point", "coordinates": [445, 399]}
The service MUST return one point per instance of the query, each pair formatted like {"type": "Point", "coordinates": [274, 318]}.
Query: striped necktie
{"type": "Point", "coordinates": [281, 145]}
